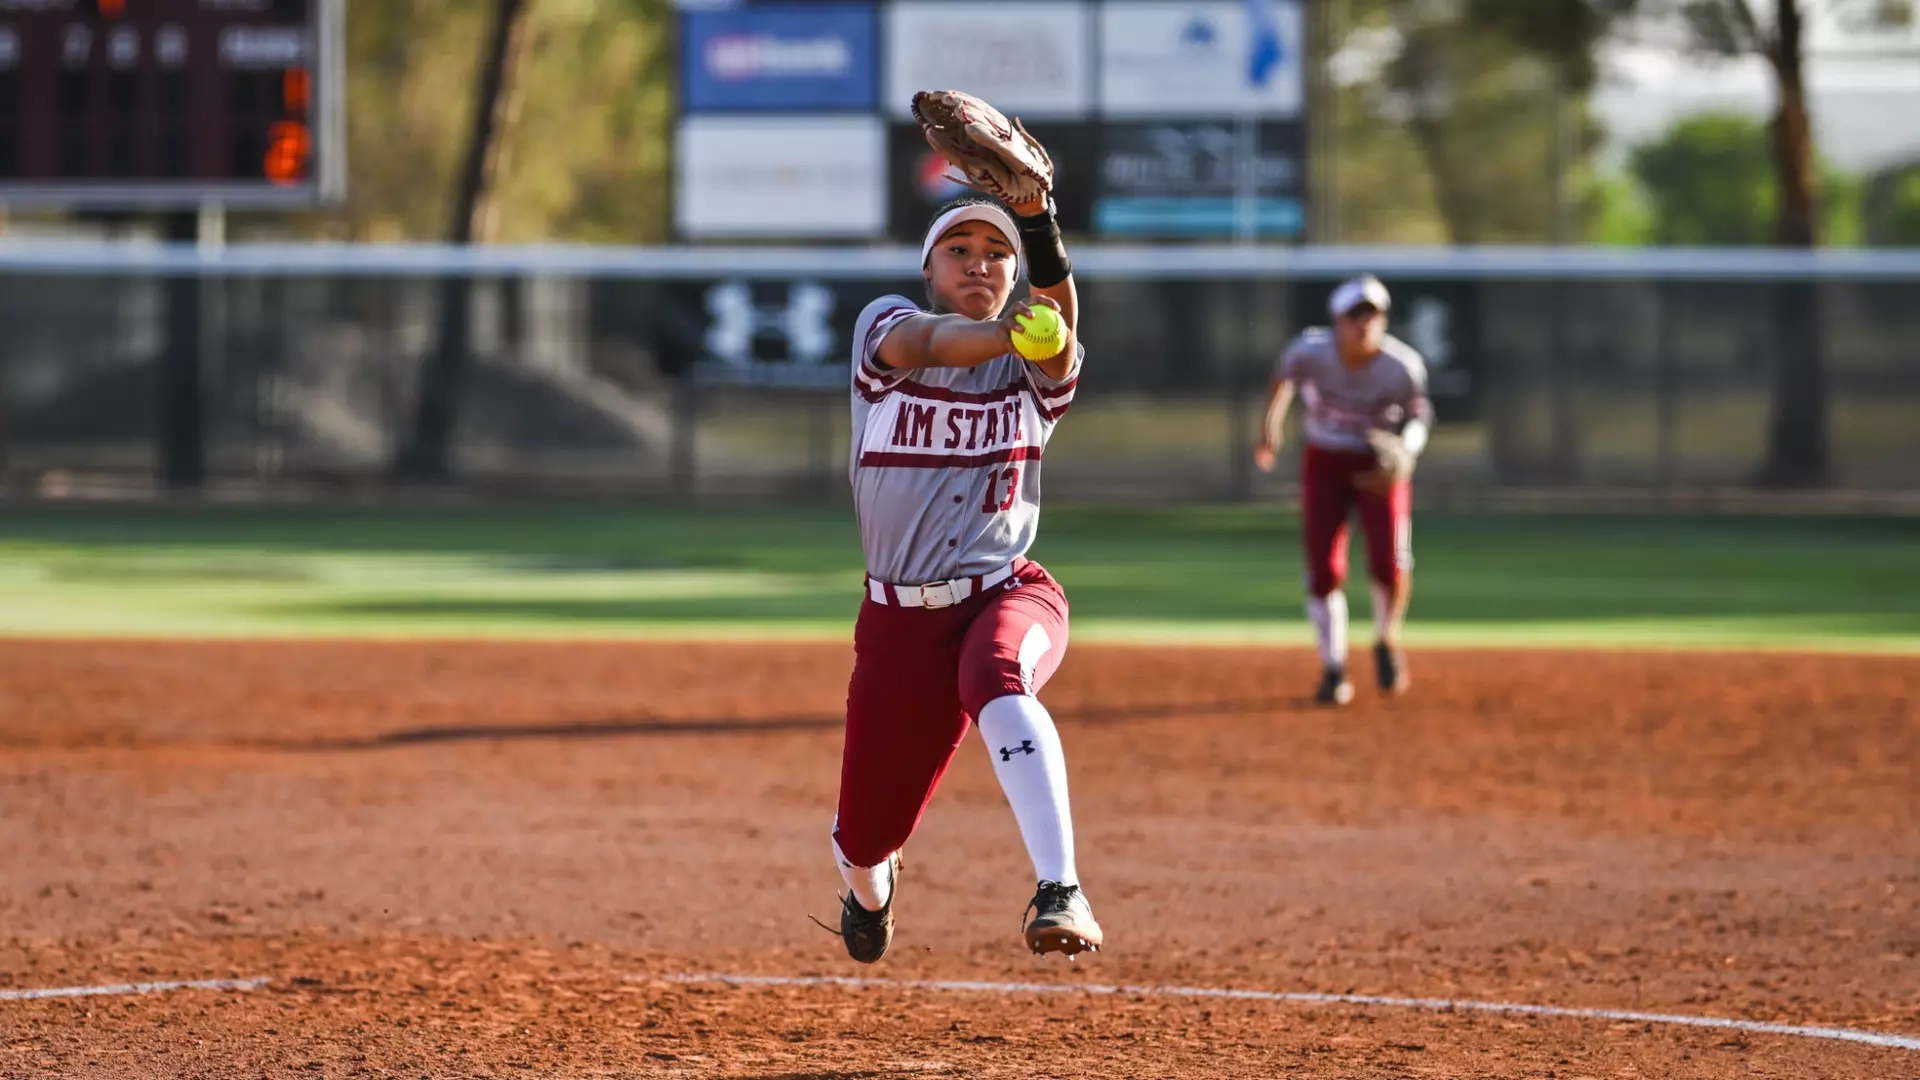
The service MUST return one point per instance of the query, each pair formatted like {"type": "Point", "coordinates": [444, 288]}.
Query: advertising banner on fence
{"type": "Point", "coordinates": [791, 333]}
{"type": "Point", "coordinates": [818, 176]}
{"type": "Point", "coordinates": [1211, 58]}
{"type": "Point", "coordinates": [794, 57]}
{"type": "Point", "coordinates": [1204, 178]}
{"type": "Point", "coordinates": [788, 58]}
{"type": "Point", "coordinates": [1029, 60]}
{"type": "Point", "coordinates": [795, 331]}
{"type": "Point", "coordinates": [920, 179]}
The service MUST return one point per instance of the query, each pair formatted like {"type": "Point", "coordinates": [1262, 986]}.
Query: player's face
{"type": "Point", "coordinates": [970, 270]}
{"type": "Point", "coordinates": [1361, 330]}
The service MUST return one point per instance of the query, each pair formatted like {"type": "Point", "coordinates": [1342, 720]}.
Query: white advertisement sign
{"type": "Point", "coordinates": [791, 176]}
{"type": "Point", "coordinates": [1210, 58]}
{"type": "Point", "coordinates": [1028, 60]}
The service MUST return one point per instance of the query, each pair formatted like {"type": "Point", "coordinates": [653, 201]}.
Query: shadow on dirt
{"type": "Point", "coordinates": [611, 729]}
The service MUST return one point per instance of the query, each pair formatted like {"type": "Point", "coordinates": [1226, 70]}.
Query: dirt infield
{"type": "Point", "coordinates": [492, 859]}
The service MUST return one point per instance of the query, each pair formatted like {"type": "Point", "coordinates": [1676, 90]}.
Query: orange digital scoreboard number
{"type": "Point", "coordinates": [162, 101]}
{"type": "Point", "coordinates": [290, 141]}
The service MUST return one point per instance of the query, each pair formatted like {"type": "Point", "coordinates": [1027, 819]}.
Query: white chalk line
{"type": "Point", "coordinates": [119, 989]}
{"type": "Point", "coordinates": [1871, 1038]}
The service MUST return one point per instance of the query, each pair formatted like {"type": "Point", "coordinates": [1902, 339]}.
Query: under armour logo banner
{"type": "Point", "coordinates": [800, 323]}
{"type": "Point", "coordinates": [1025, 747]}
{"type": "Point", "coordinates": [761, 331]}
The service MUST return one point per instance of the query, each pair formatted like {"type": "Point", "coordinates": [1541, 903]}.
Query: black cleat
{"type": "Point", "coordinates": [1334, 688]}
{"type": "Point", "coordinates": [1062, 921]}
{"type": "Point", "coordinates": [868, 933]}
{"type": "Point", "coordinates": [1390, 666]}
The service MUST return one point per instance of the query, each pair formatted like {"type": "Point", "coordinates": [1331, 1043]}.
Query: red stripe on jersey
{"type": "Point", "coordinates": [888, 459]}
{"type": "Point", "coordinates": [1051, 401]}
{"type": "Point", "coordinates": [1055, 404]}
{"type": "Point", "coordinates": [872, 378]}
{"type": "Point", "coordinates": [869, 379]}
{"type": "Point", "coordinates": [877, 376]}
{"type": "Point", "coordinates": [884, 322]}
{"type": "Point", "coordinates": [871, 388]}
{"type": "Point", "coordinates": [963, 397]}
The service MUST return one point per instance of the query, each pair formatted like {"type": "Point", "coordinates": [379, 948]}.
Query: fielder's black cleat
{"type": "Point", "coordinates": [868, 933]}
{"type": "Point", "coordinates": [1334, 688]}
{"type": "Point", "coordinates": [1062, 921]}
{"type": "Point", "coordinates": [1390, 667]}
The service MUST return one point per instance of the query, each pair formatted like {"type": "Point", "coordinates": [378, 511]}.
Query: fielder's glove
{"type": "Point", "coordinates": [1390, 455]}
{"type": "Point", "coordinates": [992, 154]}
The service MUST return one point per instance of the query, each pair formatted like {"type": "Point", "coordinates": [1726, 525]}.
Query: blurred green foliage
{"type": "Point", "coordinates": [1565, 32]}
{"type": "Point", "coordinates": [1711, 180]}
{"type": "Point", "coordinates": [1898, 217]}
{"type": "Point", "coordinates": [1453, 132]}
{"type": "Point", "coordinates": [587, 147]}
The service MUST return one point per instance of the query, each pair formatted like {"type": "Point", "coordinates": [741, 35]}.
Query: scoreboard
{"type": "Point", "coordinates": [112, 104]}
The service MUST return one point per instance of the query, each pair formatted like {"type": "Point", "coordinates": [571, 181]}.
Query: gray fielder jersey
{"type": "Point", "coordinates": [1344, 404]}
{"type": "Point", "coordinates": [946, 461]}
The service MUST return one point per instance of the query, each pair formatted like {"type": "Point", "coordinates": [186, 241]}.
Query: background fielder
{"type": "Point", "coordinates": [1367, 420]}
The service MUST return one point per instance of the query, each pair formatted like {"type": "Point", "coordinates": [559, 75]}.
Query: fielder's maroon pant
{"type": "Point", "coordinates": [1328, 498]}
{"type": "Point", "coordinates": [920, 676]}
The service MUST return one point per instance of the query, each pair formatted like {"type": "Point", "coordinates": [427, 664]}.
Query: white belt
{"type": "Point", "coordinates": [938, 594]}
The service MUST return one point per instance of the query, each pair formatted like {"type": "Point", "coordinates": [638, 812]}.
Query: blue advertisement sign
{"type": "Point", "coordinates": [1198, 215]}
{"type": "Point", "coordinates": [1199, 178]}
{"type": "Point", "coordinates": [792, 57]}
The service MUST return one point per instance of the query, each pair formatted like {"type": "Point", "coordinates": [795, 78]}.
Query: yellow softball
{"type": "Point", "coordinates": [1040, 334]}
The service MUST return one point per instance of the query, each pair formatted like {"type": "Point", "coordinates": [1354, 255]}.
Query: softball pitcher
{"type": "Point", "coordinates": [958, 626]}
{"type": "Point", "coordinates": [1367, 421]}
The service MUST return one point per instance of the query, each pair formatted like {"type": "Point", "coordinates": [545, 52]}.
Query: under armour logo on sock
{"type": "Point", "coordinates": [1025, 747]}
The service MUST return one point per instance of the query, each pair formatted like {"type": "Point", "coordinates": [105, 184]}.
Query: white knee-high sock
{"type": "Point", "coordinates": [1032, 767]}
{"type": "Point", "coordinates": [872, 885]}
{"type": "Point", "coordinates": [1385, 627]}
{"type": "Point", "coordinates": [1329, 615]}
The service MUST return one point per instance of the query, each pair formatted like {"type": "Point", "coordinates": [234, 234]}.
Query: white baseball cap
{"type": "Point", "coordinates": [1365, 289]}
{"type": "Point", "coordinates": [986, 213]}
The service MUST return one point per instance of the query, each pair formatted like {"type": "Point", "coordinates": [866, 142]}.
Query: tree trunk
{"type": "Point", "coordinates": [424, 454]}
{"type": "Point", "coordinates": [1456, 206]}
{"type": "Point", "coordinates": [1422, 76]}
{"type": "Point", "coordinates": [1793, 136]}
{"type": "Point", "coordinates": [1797, 433]}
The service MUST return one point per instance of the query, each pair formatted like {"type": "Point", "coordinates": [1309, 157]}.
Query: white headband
{"type": "Point", "coordinates": [981, 212]}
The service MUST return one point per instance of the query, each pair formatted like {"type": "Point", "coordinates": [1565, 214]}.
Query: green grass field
{"type": "Point", "coordinates": [1226, 574]}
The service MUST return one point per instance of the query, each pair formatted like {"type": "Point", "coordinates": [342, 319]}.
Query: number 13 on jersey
{"type": "Point", "coordinates": [1011, 474]}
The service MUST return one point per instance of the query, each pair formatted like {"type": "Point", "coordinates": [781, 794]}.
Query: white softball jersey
{"type": "Point", "coordinates": [945, 462]}
{"type": "Point", "coordinates": [1343, 404]}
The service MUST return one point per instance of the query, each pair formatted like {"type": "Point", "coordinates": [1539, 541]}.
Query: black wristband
{"type": "Point", "coordinates": [1046, 253]}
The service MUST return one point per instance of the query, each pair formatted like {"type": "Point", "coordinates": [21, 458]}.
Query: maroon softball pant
{"type": "Point", "coordinates": [1328, 499]}
{"type": "Point", "coordinates": [920, 676]}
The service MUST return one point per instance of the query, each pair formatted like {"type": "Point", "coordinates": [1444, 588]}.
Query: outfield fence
{"type": "Point", "coordinates": [717, 372]}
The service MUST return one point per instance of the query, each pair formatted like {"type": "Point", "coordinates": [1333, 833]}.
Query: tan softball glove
{"type": "Point", "coordinates": [992, 153]}
{"type": "Point", "coordinates": [1390, 455]}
